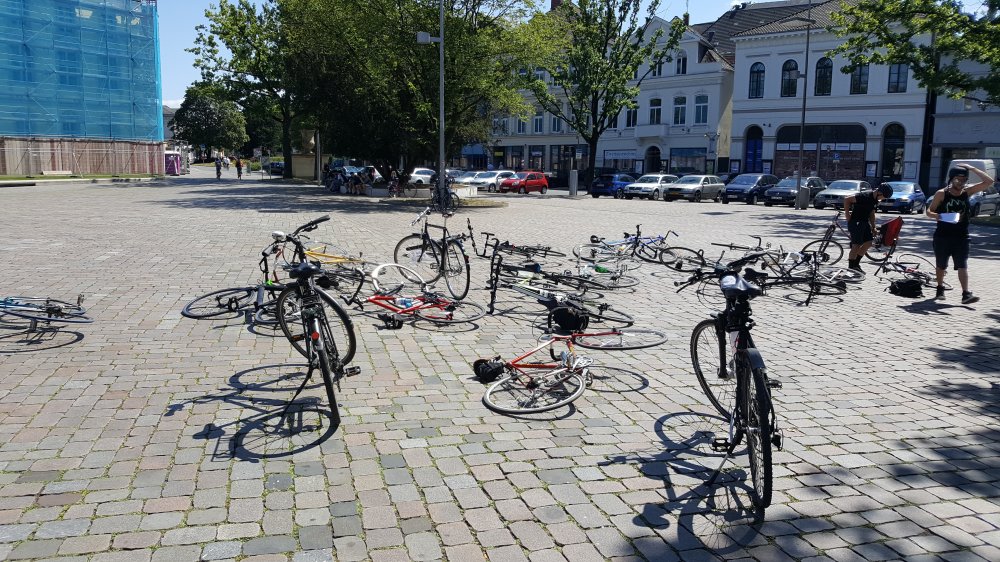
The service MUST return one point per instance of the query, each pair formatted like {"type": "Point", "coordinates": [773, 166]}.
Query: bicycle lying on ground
{"type": "Point", "coordinates": [911, 266]}
{"type": "Point", "coordinates": [525, 387]}
{"type": "Point", "coordinates": [45, 311]}
{"type": "Point", "coordinates": [401, 291]}
{"type": "Point", "coordinates": [732, 374]}
{"type": "Point", "coordinates": [435, 258]}
{"type": "Point", "coordinates": [493, 245]}
{"type": "Point", "coordinates": [646, 248]}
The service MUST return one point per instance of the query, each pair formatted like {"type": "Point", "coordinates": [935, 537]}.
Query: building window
{"type": "Point", "coordinates": [655, 107]}
{"type": "Point", "coordinates": [757, 80]}
{"type": "Point", "coordinates": [897, 78]}
{"type": "Point", "coordinates": [824, 77]}
{"type": "Point", "coordinates": [656, 69]}
{"type": "Point", "coordinates": [701, 109]}
{"type": "Point", "coordinates": [522, 126]}
{"type": "Point", "coordinates": [859, 79]}
{"type": "Point", "coordinates": [631, 117]}
{"type": "Point", "coordinates": [789, 79]}
{"type": "Point", "coordinates": [539, 74]}
{"type": "Point", "coordinates": [680, 110]}
{"type": "Point", "coordinates": [681, 64]}
{"type": "Point", "coordinates": [538, 123]}
{"type": "Point", "coordinates": [556, 124]}
{"type": "Point", "coordinates": [613, 121]}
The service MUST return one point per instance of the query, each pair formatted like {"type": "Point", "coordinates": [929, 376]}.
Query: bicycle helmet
{"type": "Point", "coordinates": [886, 190]}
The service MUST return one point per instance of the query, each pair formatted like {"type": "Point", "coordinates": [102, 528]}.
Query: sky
{"type": "Point", "coordinates": [178, 19]}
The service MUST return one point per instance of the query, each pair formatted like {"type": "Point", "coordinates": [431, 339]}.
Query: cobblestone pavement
{"type": "Point", "coordinates": [142, 436]}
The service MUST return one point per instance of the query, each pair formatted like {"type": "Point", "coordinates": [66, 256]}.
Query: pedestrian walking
{"type": "Point", "coordinates": [860, 212]}
{"type": "Point", "coordinates": [225, 163]}
{"type": "Point", "coordinates": [239, 168]}
{"type": "Point", "coordinates": [950, 207]}
{"type": "Point", "coordinates": [218, 168]}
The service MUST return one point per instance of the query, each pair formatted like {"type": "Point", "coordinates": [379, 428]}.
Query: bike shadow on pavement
{"type": "Point", "coordinates": [719, 519]}
{"type": "Point", "coordinates": [15, 337]}
{"type": "Point", "coordinates": [257, 426]}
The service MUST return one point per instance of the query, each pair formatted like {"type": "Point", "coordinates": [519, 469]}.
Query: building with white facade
{"type": "Point", "coordinates": [868, 124]}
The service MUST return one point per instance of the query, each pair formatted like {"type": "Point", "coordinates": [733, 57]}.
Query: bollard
{"type": "Point", "coordinates": [573, 181]}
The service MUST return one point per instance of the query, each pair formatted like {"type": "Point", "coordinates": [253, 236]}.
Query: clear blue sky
{"type": "Point", "coordinates": [178, 20]}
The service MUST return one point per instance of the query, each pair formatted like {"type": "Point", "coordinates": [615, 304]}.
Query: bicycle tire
{"type": "Point", "coordinates": [457, 312]}
{"type": "Point", "coordinates": [456, 270]}
{"type": "Point", "coordinates": [620, 339]}
{"type": "Point", "coordinates": [878, 254]}
{"type": "Point", "coordinates": [916, 262]}
{"type": "Point", "coordinates": [581, 284]}
{"type": "Point", "coordinates": [233, 300]}
{"type": "Point", "coordinates": [650, 252]}
{"type": "Point", "coordinates": [287, 307]}
{"type": "Point", "coordinates": [682, 259]}
{"type": "Point", "coordinates": [595, 253]}
{"type": "Point", "coordinates": [329, 375]}
{"type": "Point", "coordinates": [828, 252]}
{"type": "Point", "coordinates": [422, 256]}
{"type": "Point", "coordinates": [611, 281]}
{"type": "Point", "coordinates": [505, 397]}
{"type": "Point", "coordinates": [821, 288]}
{"type": "Point", "coordinates": [267, 314]}
{"type": "Point", "coordinates": [834, 274]}
{"type": "Point", "coordinates": [41, 309]}
{"type": "Point", "coordinates": [710, 295]}
{"type": "Point", "coordinates": [708, 357]}
{"type": "Point", "coordinates": [757, 404]}
{"type": "Point", "coordinates": [605, 313]}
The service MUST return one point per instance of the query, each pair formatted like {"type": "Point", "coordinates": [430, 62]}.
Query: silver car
{"type": "Point", "coordinates": [649, 186]}
{"type": "Point", "coordinates": [490, 180]}
{"type": "Point", "coordinates": [838, 190]}
{"type": "Point", "coordinates": [694, 188]}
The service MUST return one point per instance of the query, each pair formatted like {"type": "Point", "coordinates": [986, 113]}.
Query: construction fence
{"type": "Point", "coordinates": [20, 157]}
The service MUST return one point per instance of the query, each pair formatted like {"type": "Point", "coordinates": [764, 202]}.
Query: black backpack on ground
{"type": "Point", "coordinates": [908, 288]}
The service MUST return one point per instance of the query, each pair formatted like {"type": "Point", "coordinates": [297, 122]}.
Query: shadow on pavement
{"type": "Point", "coordinates": [15, 336]}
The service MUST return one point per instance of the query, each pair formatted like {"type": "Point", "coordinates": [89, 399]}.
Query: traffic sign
{"type": "Point", "coordinates": [836, 157]}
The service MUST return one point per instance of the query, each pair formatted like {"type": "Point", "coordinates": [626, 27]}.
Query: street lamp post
{"type": "Point", "coordinates": [802, 196]}
{"type": "Point", "coordinates": [424, 38]}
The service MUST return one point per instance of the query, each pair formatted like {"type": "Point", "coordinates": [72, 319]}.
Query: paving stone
{"type": "Point", "coordinates": [221, 550]}
{"type": "Point", "coordinates": [59, 529]}
{"type": "Point", "coordinates": [35, 549]}
{"type": "Point", "coordinates": [350, 549]}
{"type": "Point", "coordinates": [139, 540]}
{"type": "Point", "coordinates": [423, 546]}
{"type": "Point", "coordinates": [316, 537]}
{"type": "Point", "coordinates": [269, 545]}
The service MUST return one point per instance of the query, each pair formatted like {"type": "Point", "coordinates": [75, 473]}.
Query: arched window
{"type": "Point", "coordinates": [789, 79]}
{"type": "Point", "coordinates": [681, 66]}
{"type": "Point", "coordinates": [757, 80]}
{"type": "Point", "coordinates": [824, 77]}
{"type": "Point", "coordinates": [655, 111]}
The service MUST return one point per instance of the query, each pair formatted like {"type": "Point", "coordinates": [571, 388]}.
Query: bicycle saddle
{"type": "Point", "coordinates": [734, 286]}
{"type": "Point", "coordinates": [304, 270]}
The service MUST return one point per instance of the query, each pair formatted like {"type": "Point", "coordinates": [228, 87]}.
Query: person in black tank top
{"type": "Point", "coordinates": [950, 207]}
{"type": "Point", "coordinates": [860, 212]}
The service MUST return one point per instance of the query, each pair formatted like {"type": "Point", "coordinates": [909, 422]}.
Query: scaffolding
{"type": "Point", "coordinates": [81, 69]}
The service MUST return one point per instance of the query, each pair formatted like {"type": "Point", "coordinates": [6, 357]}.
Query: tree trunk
{"type": "Point", "coordinates": [588, 175]}
{"type": "Point", "coordinates": [286, 143]}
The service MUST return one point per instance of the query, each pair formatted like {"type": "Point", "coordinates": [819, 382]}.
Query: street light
{"type": "Point", "coordinates": [802, 196]}
{"type": "Point", "coordinates": [424, 38]}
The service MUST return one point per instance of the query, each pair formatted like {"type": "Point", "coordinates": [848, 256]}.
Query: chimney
{"type": "Point", "coordinates": [555, 4]}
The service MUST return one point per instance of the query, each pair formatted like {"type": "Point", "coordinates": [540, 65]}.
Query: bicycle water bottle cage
{"type": "Point", "coordinates": [278, 236]}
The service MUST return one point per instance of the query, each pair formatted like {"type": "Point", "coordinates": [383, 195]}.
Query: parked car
{"type": "Point", "coordinates": [373, 174]}
{"type": "Point", "coordinates": [276, 168]}
{"type": "Point", "coordinates": [525, 182]}
{"type": "Point", "coordinates": [787, 189]}
{"type": "Point", "coordinates": [836, 191]}
{"type": "Point", "coordinates": [610, 184]}
{"type": "Point", "coordinates": [907, 197]}
{"type": "Point", "coordinates": [421, 176]}
{"type": "Point", "coordinates": [726, 178]}
{"type": "Point", "coordinates": [649, 186]}
{"type": "Point", "coordinates": [748, 187]}
{"type": "Point", "coordinates": [986, 203]}
{"type": "Point", "coordinates": [694, 188]}
{"type": "Point", "coordinates": [490, 180]}
{"type": "Point", "coordinates": [465, 178]}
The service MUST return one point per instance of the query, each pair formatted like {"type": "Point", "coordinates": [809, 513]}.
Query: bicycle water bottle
{"type": "Point", "coordinates": [601, 269]}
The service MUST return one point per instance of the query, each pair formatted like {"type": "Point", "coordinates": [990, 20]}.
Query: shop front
{"type": "Point", "coordinates": [563, 158]}
{"type": "Point", "coordinates": [830, 151]}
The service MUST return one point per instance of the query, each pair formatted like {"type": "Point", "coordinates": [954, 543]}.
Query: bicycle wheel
{"type": "Point", "coordinates": [828, 252]}
{"type": "Point", "coordinates": [230, 301]}
{"type": "Point", "coordinates": [456, 270]}
{"type": "Point", "coordinates": [914, 261]}
{"type": "Point", "coordinates": [606, 314]}
{"type": "Point", "coordinates": [716, 377]}
{"type": "Point", "coordinates": [341, 328]}
{"type": "Point", "coordinates": [327, 369]}
{"type": "Point", "coordinates": [595, 253]}
{"type": "Point", "coordinates": [580, 284]}
{"type": "Point", "coordinates": [267, 314]}
{"type": "Point", "coordinates": [422, 256]}
{"type": "Point", "coordinates": [835, 274]}
{"type": "Point", "coordinates": [878, 253]}
{"type": "Point", "coordinates": [817, 287]}
{"type": "Point", "coordinates": [451, 312]}
{"type": "Point", "coordinates": [549, 391]}
{"type": "Point", "coordinates": [44, 310]}
{"type": "Point", "coordinates": [620, 339]}
{"type": "Point", "coordinates": [650, 252]}
{"type": "Point", "coordinates": [757, 411]}
{"type": "Point", "coordinates": [612, 281]}
{"type": "Point", "coordinates": [682, 259]}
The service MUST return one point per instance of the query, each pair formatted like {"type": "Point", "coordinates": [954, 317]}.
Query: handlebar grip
{"type": "Point", "coordinates": [312, 224]}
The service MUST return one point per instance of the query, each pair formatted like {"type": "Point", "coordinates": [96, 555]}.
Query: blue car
{"type": "Point", "coordinates": [610, 184]}
{"type": "Point", "coordinates": [907, 197]}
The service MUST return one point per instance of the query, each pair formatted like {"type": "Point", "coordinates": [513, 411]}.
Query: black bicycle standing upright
{"type": "Point", "coordinates": [739, 387]}
{"type": "Point", "coordinates": [434, 258]}
{"type": "Point", "coordinates": [304, 319]}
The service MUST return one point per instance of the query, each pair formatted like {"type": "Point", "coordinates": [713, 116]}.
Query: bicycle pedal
{"type": "Point", "coordinates": [774, 383]}
{"type": "Point", "coordinates": [720, 444]}
{"type": "Point", "coordinates": [351, 371]}
{"type": "Point", "coordinates": [778, 439]}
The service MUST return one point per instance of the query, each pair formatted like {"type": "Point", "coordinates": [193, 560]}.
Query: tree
{"type": "Point", "coordinates": [206, 117]}
{"type": "Point", "coordinates": [255, 64]}
{"type": "Point", "coordinates": [595, 49]}
{"type": "Point", "coordinates": [933, 37]}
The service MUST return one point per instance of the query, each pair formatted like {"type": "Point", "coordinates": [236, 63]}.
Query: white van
{"type": "Point", "coordinates": [987, 165]}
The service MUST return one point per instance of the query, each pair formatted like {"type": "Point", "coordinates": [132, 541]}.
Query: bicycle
{"type": "Point", "coordinates": [528, 252]}
{"type": "Point", "coordinates": [786, 263]}
{"type": "Point", "coordinates": [302, 311]}
{"type": "Point", "coordinates": [524, 387]}
{"type": "Point", "coordinates": [646, 248]}
{"type": "Point", "coordinates": [255, 302]}
{"type": "Point", "coordinates": [450, 204]}
{"type": "Point", "coordinates": [44, 310]}
{"type": "Point", "coordinates": [433, 258]}
{"type": "Point", "coordinates": [909, 266]}
{"type": "Point", "coordinates": [830, 251]}
{"type": "Point", "coordinates": [738, 388]}
{"type": "Point", "coordinates": [390, 281]}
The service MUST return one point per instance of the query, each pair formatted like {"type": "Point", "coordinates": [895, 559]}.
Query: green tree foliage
{"type": "Point", "coordinates": [245, 48]}
{"type": "Point", "coordinates": [593, 52]}
{"type": "Point", "coordinates": [207, 117]}
{"type": "Point", "coordinates": [933, 37]}
{"type": "Point", "coordinates": [374, 90]}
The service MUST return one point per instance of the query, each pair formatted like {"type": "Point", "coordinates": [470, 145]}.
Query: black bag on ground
{"type": "Point", "coordinates": [568, 319]}
{"type": "Point", "coordinates": [908, 288]}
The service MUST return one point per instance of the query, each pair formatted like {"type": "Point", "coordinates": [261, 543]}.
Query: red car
{"type": "Point", "coordinates": [525, 182]}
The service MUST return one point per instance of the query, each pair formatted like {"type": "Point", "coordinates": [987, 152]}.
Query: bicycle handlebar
{"type": "Point", "coordinates": [311, 225]}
